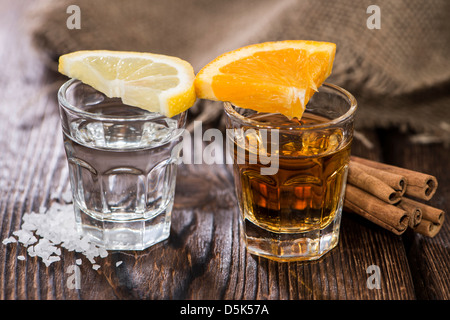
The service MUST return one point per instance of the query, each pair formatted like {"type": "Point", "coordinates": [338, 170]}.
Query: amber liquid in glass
{"type": "Point", "coordinates": [305, 192]}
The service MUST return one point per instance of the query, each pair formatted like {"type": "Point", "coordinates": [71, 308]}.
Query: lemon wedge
{"type": "Point", "coordinates": [154, 82]}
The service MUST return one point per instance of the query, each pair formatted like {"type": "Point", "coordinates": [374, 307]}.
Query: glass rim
{"type": "Point", "coordinates": [64, 102]}
{"type": "Point", "coordinates": [231, 112]}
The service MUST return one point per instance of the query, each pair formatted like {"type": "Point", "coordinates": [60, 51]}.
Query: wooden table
{"type": "Point", "coordinates": [204, 257]}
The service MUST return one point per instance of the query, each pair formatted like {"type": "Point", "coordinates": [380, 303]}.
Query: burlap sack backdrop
{"type": "Point", "coordinates": [400, 73]}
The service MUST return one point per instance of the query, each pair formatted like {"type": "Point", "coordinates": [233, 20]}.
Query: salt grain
{"type": "Point", "coordinates": [46, 232]}
{"type": "Point", "coordinates": [9, 240]}
{"type": "Point", "coordinates": [118, 263]}
{"type": "Point", "coordinates": [50, 260]}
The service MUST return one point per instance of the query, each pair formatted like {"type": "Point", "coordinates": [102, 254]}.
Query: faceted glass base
{"type": "Point", "coordinates": [137, 234]}
{"type": "Point", "coordinates": [285, 247]}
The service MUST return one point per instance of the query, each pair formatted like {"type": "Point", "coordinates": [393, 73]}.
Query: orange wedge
{"type": "Point", "coordinates": [275, 77]}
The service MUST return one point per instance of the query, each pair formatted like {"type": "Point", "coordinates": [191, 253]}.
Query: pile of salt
{"type": "Point", "coordinates": [46, 232]}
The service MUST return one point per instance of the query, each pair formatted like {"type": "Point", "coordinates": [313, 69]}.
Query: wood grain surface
{"type": "Point", "coordinates": [204, 257]}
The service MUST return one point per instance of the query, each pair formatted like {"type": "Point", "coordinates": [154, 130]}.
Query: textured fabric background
{"type": "Point", "coordinates": [400, 74]}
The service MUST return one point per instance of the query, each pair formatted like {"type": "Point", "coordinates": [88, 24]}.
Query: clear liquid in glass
{"type": "Point", "coordinates": [123, 176]}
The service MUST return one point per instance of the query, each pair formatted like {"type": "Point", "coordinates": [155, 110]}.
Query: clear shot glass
{"type": "Point", "coordinates": [122, 165]}
{"type": "Point", "coordinates": [290, 175]}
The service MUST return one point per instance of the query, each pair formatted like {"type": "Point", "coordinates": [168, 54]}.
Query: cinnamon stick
{"type": "Point", "coordinates": [419, 185]}
{"type": "Point", "coordinates": [393, 180]}
{"type": "Point", "coordinates": [428, 228]}
{"type": "Point", "coordinates": [372, 208]}
{"type": "Point", "coordinates": [359, 177]}
{"type": "Point", "coordinates": [429, 213]}
{"type": "Point", "coordinates": [414, 212]}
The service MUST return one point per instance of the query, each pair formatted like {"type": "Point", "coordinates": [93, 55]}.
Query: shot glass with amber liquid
{"type": "Point", "coordinates": [290, 175]}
